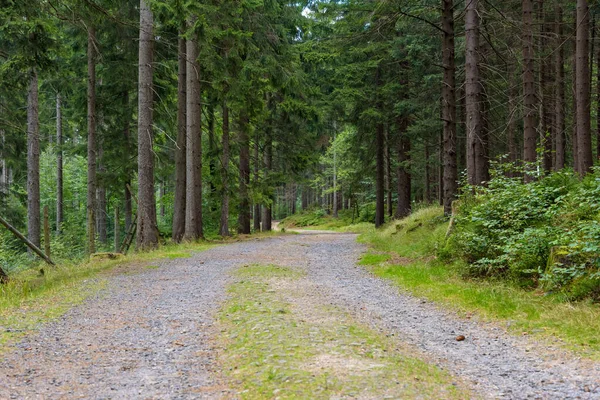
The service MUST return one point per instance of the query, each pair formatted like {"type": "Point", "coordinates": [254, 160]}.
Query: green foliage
{"type": "Point", "coordinates": [546, 232]}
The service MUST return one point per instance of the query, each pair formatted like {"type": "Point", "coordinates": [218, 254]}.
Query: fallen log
{"type": "Point", "coordinates": [32, 246]}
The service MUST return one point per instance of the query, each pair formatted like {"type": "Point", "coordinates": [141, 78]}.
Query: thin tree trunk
{"type": "Point", "coordinates": [379, 166]}
{"type": "Point", "coordinates": [147, 230]}
{"type": "Point", "coordinates": [545, 92]}
{"type": "Point", "coordinates": [404, 179]}
{"type": "Point", "coordinates": [59, 166]}
{"type": "Point", "coordinates": [388, 173]}
{"type": "Point", "coordinates": [598, 103]}
{"type": "Point", "coordinates": [268, 163]}
{"type": "Point", "coordinates": [33, 162]}
{"type": "Point", "coordinates": [559, 108]}
{"type": "Point", "coordinates": [212, 151]}
{"type": "Point", "coordinates": [256, 170]}
{"type": "Point", "coordinates": [473, 93]}
{"type": "Point", "coordinates": [91, 145]}
{"type": "Point", "coordinates": [224, 223]}
{"type": "Point", "coordinates": [584, 139]}
{"type": "Point", "coordinates": [193, 209]}
{"type": "Point", "coordinates": [529, 131]}
{"type": "Point", "coordinates": [574, 141]}
{"type": "Point", "coordinates": [180, 151]}
{"type": "Point", "coordinates": [101, 199]}
{"type": "Point", "coordinates": [427, 183]}
{"type": "Point", "coordinates": [127, 193]}
{"type": "Point", "coordinates": [244, 170]}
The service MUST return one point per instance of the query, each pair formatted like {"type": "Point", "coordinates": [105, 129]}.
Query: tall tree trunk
{"type": "Point", "coordinates": [513, 94]}
{"type": "Point", "coordinates": [180, 151]}
{"type": "Point", "coordinates": [559, 107]}
{"type": "Point", "coordinates": [268, 164]}
{"type": "Point", "coordinates": [598, 103]}
{"type": "Point", "coordinates": [33, 162]}
{"type": "Point", "coordinates": [584, 139]}
{"type": "Point", "coordinates": [574, 141]}
{"type": "Point", "coordinates": [127, 185]}
{"type": "Point", "coordinates": [193, 207]}
{"type": "Point", "coordinates": [147, 231]}
{"type": "Point", "coordinates": [473, 94]}
{"type": "Point", "coordinates": [379, 166]}
{"type": "Point", "coordinates": [244, 170]}
{"type": "Point", "coordinates": [379, 188]}
{"type": "Point", "coordinates": [101, 199]}
{"type": "Point", "coordinates": [545, 96]}
{"type": "Point", "coordinates": [404, 179]}
{"type": "Point", "coordinates": [388, 172]}
{"type": "Point", "coordinates": [224, 224]}
{"type": "Point", "coordinates": [256, 170]}
{"type": "Point", "coordinates": [59, 166]}
{"type": "Point", "coordinates": [212, 150]}
{"type": "Point", "coordinates": [427, 183]}
{"type": "Point", "coordinates": [529, 131]}
{"type": "Point", "coordinates": [91, 145]}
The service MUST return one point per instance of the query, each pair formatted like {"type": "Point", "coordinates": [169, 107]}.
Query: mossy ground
{"type": "Point", "coordinates": [281, 340]}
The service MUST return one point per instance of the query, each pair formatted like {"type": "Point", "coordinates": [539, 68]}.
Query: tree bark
{"type": "Point", "coordinates": [101, 199]}
{"type": "Point", "coordinates": [91, 144]}
{"type": "Point", "coordinates": [180, 151]}
{"type": "Point", "coordinates": [224, 223]}
{"type": "Point", "coordinates": [33, 162]}
{"type": "Point", "coordinates": [147, 230]}
{"type": "Point", "coordinates": [379, 164]}
{"type": "Point", "coordinates": [127, 193]}
{"type": "Point", "coordinates": [256, 213]}
{"type": "Point", "coordinates": [529, 96]}
{"type": "Point", "coordinates": [473, 94]}
{"type": "Point", "coordinates": [559, 107]}
{"type": "Point", "coordinates": [545, 97]}
{"type": "Point", "coordinates": [388, 173]}
{"type": "Point", "coordinates": [59, 166]}
{"type": "Point", "coordinates": [268, 164]}
{"type": "Point", "coordinates": [404, 178]}
{"type": "Point", "coordinates": [584, 139]}
{"type": "Point", "coordinates": [244, 170]}
{"type": "Point", "coordinates": [193, 209]}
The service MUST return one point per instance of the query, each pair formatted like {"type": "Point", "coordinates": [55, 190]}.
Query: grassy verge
{"type": "Point", "coordinates": [403, 252]}
{"type": "Point", "coordinates": [280, 341]}
{"type": "Point", "coordinates": [318, 220]}
{"type": "Point", "coordinates": [32, 298]}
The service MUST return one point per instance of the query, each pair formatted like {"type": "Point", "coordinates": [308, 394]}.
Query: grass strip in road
{"type": "Point", "coordinates": [403, 252]}
{"type": "Point", "coordinates": [280, 339]}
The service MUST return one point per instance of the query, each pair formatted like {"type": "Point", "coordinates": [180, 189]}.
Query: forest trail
{"type": "Point", "coordinates": [155, 332]}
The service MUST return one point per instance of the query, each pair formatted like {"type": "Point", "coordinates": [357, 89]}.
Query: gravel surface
{"type": "Point", "coordinates": [149, 335]}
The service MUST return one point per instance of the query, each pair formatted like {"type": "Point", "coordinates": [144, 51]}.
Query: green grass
{"type": "Point", "coordinates": [318, 220]}
{"type": "Point", "coordinates": [574, 325]}
{"type": "Point", "coordinates": [281, 341]}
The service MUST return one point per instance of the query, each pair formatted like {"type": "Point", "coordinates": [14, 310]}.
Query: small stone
{"type": "Point", "coordinates": [460, 338]}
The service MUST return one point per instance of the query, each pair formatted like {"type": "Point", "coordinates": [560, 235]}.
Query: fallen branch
{"type": "Point", "coordinates": [32, 246]}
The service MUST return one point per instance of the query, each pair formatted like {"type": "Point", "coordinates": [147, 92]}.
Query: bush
{"type": "Point", "coordinates": [509, 229]}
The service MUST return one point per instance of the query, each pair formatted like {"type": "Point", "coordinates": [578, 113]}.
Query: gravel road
{"type": "Point", "coordinates": [149, 335]}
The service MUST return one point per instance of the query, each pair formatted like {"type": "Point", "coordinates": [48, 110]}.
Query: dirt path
{"type": "Point", "coordinates": [151, 334]}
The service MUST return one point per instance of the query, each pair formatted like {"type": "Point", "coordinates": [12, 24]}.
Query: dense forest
{"type": "Point", "coordinates": [183, 120]}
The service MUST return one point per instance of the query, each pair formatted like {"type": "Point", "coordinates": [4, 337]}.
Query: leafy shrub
{"type": "Point", "coordinates": [509, 229]}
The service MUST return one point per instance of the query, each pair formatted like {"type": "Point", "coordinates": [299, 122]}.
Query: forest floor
{"type": "Point", "coordinates": [292, 316]}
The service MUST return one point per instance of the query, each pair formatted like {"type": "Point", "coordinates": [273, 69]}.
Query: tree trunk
{"type": "Point", "coordinates": [559, 107]}
{"type": "Point", "coordinates": [529, 95]}
{"type": "Point", "coordinates": [59, 166]}
{"type": "Point", "coordinates": [127, 193]}
{"type": "Point", "coordinates": [584, 139]}
{"type": "Point", "coordinates": [545, 96]}
{"type": "Point", "coordinates": [427, 183]}
{"type": "Point", "coordinates": [473, 94]}
{"type": "Point", "coordinates": [404, 179]}
{"type": "Point", "coordinates": [379, 164]}
{"type": "Point", "coordinates": [212, 151]}
{"type": "Point", "coordinates": [388, 173]}
{"type": "Point", "coordinates": [256, 171]}
{"type": "Point", "coordinates": [101, 199]}
{"type": "Point", "coordinates": [91, 145]}
{"type": "Point", "coordinates": [193, 209]}
{"type": "Point", "coordinates": [244, 170]}
{"type": "Point", "coordinates": [224, 224]}
{"type": "Point", "coordinates": [33, 162]}
{"type": "Point", "coordinates": [574, 93]}
{"type": "Point", "coordinates": [147, 230]}
{"type": "Point", "coordinates": [598, 103]}
{"type": "Point", "coordinates": [268, 163]}
{"type": "Point", "coordinates": [180, 151]}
